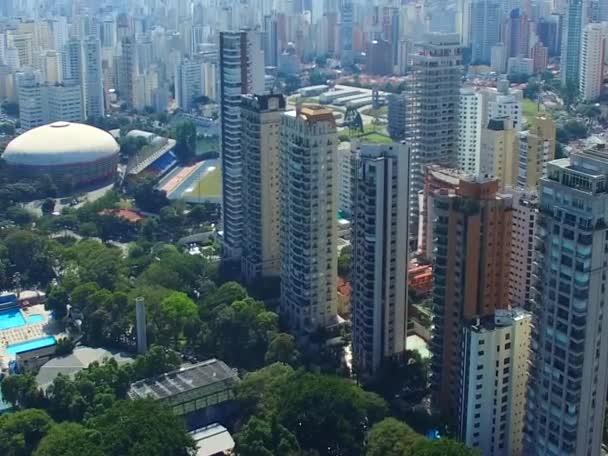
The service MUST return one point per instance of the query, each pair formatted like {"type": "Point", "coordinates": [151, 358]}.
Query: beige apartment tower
{"type": "Point", "coordinates": [536, 149]}
{"type": "Point", "coordinates": [309, 203]}
{"type": "Point", "coordinates": [260, 143]}
{"type": "Point", "coordinates": [499, 151]}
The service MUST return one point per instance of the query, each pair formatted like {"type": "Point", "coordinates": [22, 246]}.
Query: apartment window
{"type": "Point", "coordinates": [508, 346]}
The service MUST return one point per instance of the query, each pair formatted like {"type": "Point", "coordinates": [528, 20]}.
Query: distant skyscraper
{"type": "Point", "coordinates": [71, 62]}
{"type": "Point", "coordinates": [593, 57]}
{"type": "Point", "coordinates": [94, 104]}
{"type": "Point", "coordinates": [516, 34]}
{"type": "Point", "coordinates": [29, 95]}
{"type": "Point", "coordinates": [569, 371]}
{"type": "Point", "coordinates": [260, 143]}
{"type": "Point", "coordinates": [472, 244]}
{"type": "Point", "coordinates": [346, 32]}
{"type": "Point", "coordinates": [271, 44]}
{"type": "Point", "coordinates": [470, 117]}
{"type": "Point", "coordinates": [432, 116]}
{"type": "Point", "coordinates": [188, 83]}
{"type": "Point", "coordinates": [126, 67]}
{"type": "Point", "coordinates": [309, 184]}
{"type": "Point", "coordinates": [380, 245]}
{"type": "Point", "coordinates": [241, 72]}
{"type": "Point", "coordinates": [485, 22]}
{"type": "Point", "coordinates": [574, 21]}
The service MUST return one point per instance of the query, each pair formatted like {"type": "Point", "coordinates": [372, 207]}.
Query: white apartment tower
{"type": "Point", "coordinates": [260, 143]}
{"type": "Point", "coordinates": [593, 57]}
{"type": "Point", "coordinates": [380, 245]}
{"type": "Point", "coordinates": [469, 130]}
{"type": "Point", "coordinates": [495, 365]}
{"type": "Point", "coordinates": [309, 184]}
{"type": "Point", "coordinates": [92, 78]}
{"type": "Point", "coordinates": [188, 83]}
{"type": "Point", "coordinates": [569, 370]}
{"type": "Point", "coordinates": [502, 101]}
{"type": "Point", "coordinates": [345, 188]}
{"type": "Point", "coordinates": [241, 72]}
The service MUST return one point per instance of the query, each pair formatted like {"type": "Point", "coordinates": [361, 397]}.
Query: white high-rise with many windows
{"type": "Point", "coordinates": [593, 46]}
{"type": "Point", "coordinates": [380, 177]}
{"type": "Point", "coordinates": [470, 114]}
{"type": "Point", "coordinates": [309, 202]}
{"type": "Point", "coordinates": [569, 373]}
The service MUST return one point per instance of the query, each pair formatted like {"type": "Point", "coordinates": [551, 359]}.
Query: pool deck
{"type": "Point", "coordinates": [27, 332]}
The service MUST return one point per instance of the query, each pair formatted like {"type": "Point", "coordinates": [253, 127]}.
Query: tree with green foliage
{"type": "Point", "coordinates": [147, 197]}
{"type": "Point", "coordinates": [442, 447]}
{"type": "Point", "coordinates": [57, 302]}
{"type": "Point", "coordinates": [64, 347]}
{"type": "Point", "coordinates": [48, 206]}
{"type": "Point", "coordinates": [225, 295]}
{"type": "Point", "coordinates": [131, 145]}
{"type": "Point", "coordinates": [570, 131]}
{"type": "Point", "coordinates": [262, 438]}
{"type": "Point", "coordinates": [178, 311]}
{"type": "Point", "coordinates": [30, 255]}
{"type": "Point", "coordinates": [141, 427]}
{"type": "Point", "coordinates": [391, 437]}
{"type": "Point", "coordinates": [70, 439]}
{"type": "Point", "coordinates": [21, 432]}
{"type": "Point", "coordinates": [258, 392]}
{"type": "Point", "coordinates": [185, 137]}
{"type": "Point", "coordinates": [157, 360]}
{"type": "Point", "coordinates": [19, 215]}
{"type": "Point", "coordinates": [329, 414]}
{"type": "Point", "coordinates": [282, 349]}
{"type": "Point", "coordinates": [345, 260]}
{"type": "Point", "coordinates": [21, 391]}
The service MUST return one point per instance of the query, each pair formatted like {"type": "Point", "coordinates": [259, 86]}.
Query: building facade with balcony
{"type": "Point", "coordinates": [380, 251]}
{"type": "Point", "coordinates": [309, 203]}
{"type": "Point", "coordinates": [569, 374]}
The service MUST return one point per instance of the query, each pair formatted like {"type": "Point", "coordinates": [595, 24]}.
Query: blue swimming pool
{"type": "Point", "coordinates": [30, 345]}
{"type": "Point", "coordinates": [36, 318]}
{"type": "Point", "coordinates": [11, 318]}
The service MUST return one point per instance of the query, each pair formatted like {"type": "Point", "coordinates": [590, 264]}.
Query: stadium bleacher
{"type": "Point", "coordinates": [162, 164]}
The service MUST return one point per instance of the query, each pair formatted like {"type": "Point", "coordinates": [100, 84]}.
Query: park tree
{"type": "Point", "coordinates": [178, 311]}
{"type": "Point", "coordinates": [329, 414]}
{"type": "Point", "coordinates": [157, 360]}
{"type": "Point", "coordinates": [147, 197]}
{"type": "Point", "coordinates": [48, 206]}
{"type": "Point", "coordinates": [258, 392]}
{"type": "Point", "coordinates": [141, 427]}
{"type": "Point", "coordinates": [185, 137]}
{"type": "Point", "coordinates": [391, 437]}
{"type": "Point", "coordinates": [262, 438]}
{"type": "Point", "coordinates": [21, 391]}
{"type": "Point", "coordinates": [70, 439]}
{"type": "Point", "coordinates": [282, 349]}
{"type": "Point", "coordinates": [57, 302]}
{"type": "Point", "coordinates": [21, 432]}
{"type": "Point", "coordinates": [442, 447]}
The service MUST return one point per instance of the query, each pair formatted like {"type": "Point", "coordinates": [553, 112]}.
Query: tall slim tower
{"type": "Point", "coordinates": [241, 72]}
{"type": "Point", "coordinates": [470, 116]}
{"type": "Point", "coordinates": [309, 194]}
{"type": "Point", "coordinates": [432, 117]}
{"type": "Point", "coordinates": [261, 118]}
{"type": "Point", "coordinates": [126, 67]}
{"type": "Point", "coordinates": [569, 374]}
{"type": "Point", "coordinates": [485, 19]}
{"type": "Point", "coordinates": [346, 32]}
{"type": "Point", "coordinates": [94, 104]}
{"type": "Point", "coordinates": [593, 56]}
{"type": "Point", "coordinates": [472, 243]}
{"type": "Point", "coordinates": [573, 23]}
{"type": "Point", "coordinates": [271, 43]}
{"type": "Point", "coordinates": [71, 62]}
{"type": "Point", "coordinates": [188, 83]}
{"type": "Point", "coordinates": [379, 221]}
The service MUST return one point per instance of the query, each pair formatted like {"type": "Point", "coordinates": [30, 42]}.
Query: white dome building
{"type": "Point", "coordinates": [83, 153]}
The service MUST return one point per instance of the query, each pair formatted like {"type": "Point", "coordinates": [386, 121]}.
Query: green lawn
{"type": "Point", "coordinates": [376, 138]}
{"type": "Point", "coordinates": [530, 109]}
{"type": "Point", "coordinates": [209, 186]}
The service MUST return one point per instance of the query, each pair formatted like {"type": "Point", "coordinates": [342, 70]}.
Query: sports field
{"type": "Point", "coordinates": [209, 186]}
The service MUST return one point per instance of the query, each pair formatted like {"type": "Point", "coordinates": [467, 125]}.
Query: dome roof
{"type": "Point", "coordinates": [60, 143]}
